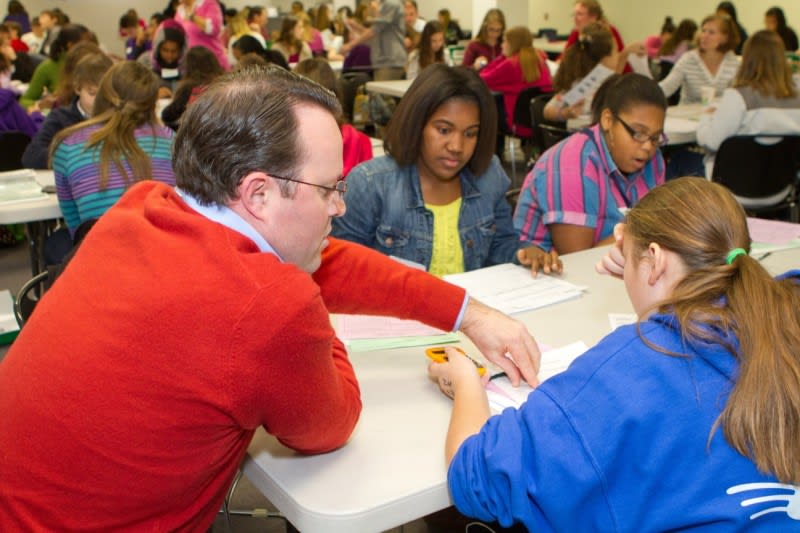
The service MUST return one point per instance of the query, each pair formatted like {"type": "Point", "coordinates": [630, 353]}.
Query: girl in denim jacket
{"type": "Point", "coordinates": [438, 197]}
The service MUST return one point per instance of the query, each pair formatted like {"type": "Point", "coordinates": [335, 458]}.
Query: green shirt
{"type": "Point", "coordinates": [46, 76]}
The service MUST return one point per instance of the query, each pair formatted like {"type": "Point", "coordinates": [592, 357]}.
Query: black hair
{"type": "Point", "coordinates": [728, 8]}
{"type": "Point", "coordinates": [631, 90]}
{"type": "Point", "coordinates": [434, 86]}
{"type": "Point", "coordinates": [69, 34]}
{"type": "Point", "coordinates": [780, 18]}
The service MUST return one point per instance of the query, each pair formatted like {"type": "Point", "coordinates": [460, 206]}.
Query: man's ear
{"type": "Point", "coordinates": [255, 191]}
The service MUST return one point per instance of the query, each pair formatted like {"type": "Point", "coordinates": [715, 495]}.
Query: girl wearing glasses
{"type": "Point", "coordinates": [487, 45]}
{"type": "Point", "coordinates": [438, 198]}
{"type": "Point", "coordinates": [686, 420]}
{"type": "Point", "coordinates": [579, 188]}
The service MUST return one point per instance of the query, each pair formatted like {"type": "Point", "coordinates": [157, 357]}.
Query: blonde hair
{"type": "Point", "coordinates": [305, 20]}
{"type": "Point", "coordinates": [238, 23]}
{"type": "Point", "coordinates": [520, 41]}
{"type": "Point", "coordinates": [721, 303]}
{"type": "Point", "coordinates": [496, 16]}
{"type": "Point", "coordinates": [764, 66]}
{"type": "Point", "coordinates": [126, 100]}
{"type": "Point", "coordinates": [727, 26]}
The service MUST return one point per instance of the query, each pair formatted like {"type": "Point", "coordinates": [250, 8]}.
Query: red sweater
{"type": "Point", "coordinates": [357, 148]}
{"type": "Point", "coordinates": [504, 75]}
{"type": "Point", "coordinates": [129, 398]}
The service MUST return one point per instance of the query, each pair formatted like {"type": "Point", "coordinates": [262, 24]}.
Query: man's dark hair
{"type": "Point", "coordinates": [244, 122]}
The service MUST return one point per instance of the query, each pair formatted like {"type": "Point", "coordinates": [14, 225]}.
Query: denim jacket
{"type": "Point", "coordinates": [386, 212]}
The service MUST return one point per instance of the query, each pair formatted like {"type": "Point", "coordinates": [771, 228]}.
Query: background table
{"type": "Point", "coordinates": [553, 49]}
{"type": "Point", "coordinates": [35, 214]}
{"type": "Point", "coordinates": [680, 125]}
{"type": "Point", "coordinates": [395, 88]}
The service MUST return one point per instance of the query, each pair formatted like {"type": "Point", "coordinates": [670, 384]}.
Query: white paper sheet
{"type": "Point", "coordinates": [511, 289]}
{"type": "Point", "coordinates": [502, 394]}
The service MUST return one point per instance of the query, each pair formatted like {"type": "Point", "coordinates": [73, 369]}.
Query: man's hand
{"type": "Point", "coordinates": [613, 263]}
{"type": "Point", "coordinates": [536, 258]}
{"type": "Point", "coordinates": [502, 340]}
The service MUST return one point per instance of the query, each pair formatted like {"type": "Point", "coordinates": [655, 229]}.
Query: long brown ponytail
{"type": "Point", "coordinates": [702, 222]}
{"type": "Point", "coordinates": [126, 100]}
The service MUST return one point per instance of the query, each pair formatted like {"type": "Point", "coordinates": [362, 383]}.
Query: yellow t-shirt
{"type": "Point", "coordinates": [447, 257]}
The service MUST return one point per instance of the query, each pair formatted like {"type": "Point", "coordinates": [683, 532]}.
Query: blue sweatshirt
{"type": "Point", "coordinates": [620, 442]}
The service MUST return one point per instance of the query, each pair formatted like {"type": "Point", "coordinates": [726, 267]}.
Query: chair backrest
{"type": "Point", "coordinates": [29, 294]}
{"type": "Point", "coordinates": [551, 34]}
{"type": "Point", "coordinates": [757, 166]}
{"type": "Point", "coordinates": [522, 109]}
{"type": "Point", "coordinates": [349, 83]}
{"type": "Point", "coordinates": [545, 133]}
{"type": "Point", "coordinates": [12, 146]}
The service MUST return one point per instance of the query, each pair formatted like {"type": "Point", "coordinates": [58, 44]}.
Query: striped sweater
{"type": "Point", "coordinates": [577, 182]}
{"type": "Point", "coordinates": [77, 172]}
{"type": "Point", "coordinates": [690, 74]}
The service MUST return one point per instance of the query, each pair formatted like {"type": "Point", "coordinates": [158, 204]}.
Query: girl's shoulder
{"type": "Point", "coordinates": [155, 131]}
{"type": "Point", "coordinates": [80, 135]}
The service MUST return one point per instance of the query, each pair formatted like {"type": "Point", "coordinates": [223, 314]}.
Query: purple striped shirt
{"type": "Point", "coordinates": [577, 182]}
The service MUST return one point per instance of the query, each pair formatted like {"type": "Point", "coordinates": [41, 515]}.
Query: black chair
{"type": "Point", "coordinates": [349, 84]}
{"type": "Point", "coordinates": [522, 118]}
{"type": "Point", "coordinates": [60, 248]}
{"type": "Point", "coordinates": [546, 133]}
{"type": "Point", "coordinates": [29, 294]}
{"type": "Point", "coordinates": [12, 146]}
{"type": "Point", "coordinates": [551, 34]}
{"type": "Point", "coordinates": [761, 171]}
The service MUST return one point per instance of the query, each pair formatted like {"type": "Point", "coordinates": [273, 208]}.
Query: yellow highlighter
{"type": "Point", "coordinates": [438, 354]}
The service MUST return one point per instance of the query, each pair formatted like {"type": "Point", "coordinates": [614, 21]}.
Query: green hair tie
{"type": "Point", "coordinates": [733, 254]}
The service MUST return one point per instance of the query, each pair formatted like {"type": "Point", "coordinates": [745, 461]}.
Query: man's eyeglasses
{"type": "Point", "coordinates": [641, 137]}
{"type": "Point", "coordinates": [340, 187]}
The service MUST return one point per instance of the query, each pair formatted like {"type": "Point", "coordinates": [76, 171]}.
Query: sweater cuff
{"type": "Point", "coordinates": [461, 313]}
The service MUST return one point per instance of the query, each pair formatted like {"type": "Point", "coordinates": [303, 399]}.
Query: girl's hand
{"type": "Point", "coordinates": [536, 258]}
{"type": "Point", "coordinates": [459, 371]}
{"type": "Point", "coordinates": [572, 111]}
{"type": "Point", "coordinates": [613, 263]}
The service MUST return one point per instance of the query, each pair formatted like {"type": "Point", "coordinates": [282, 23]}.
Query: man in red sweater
{"type": "Point", "coordinates": [190, 317]}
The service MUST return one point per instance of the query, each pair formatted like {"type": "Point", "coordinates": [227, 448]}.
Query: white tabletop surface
{"type": "Point", "coordinates": [395, 88]}
{"type": "Point", "coordinates": [377, 146]}
{"type": "Point", "coordinates": [392, 471]}
{"type": "Point", "coordinates": [552, 47]}
{"type": "Point", "coordinates": [19, 212]}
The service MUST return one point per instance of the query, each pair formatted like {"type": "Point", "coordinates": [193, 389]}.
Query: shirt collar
{"type": "Point", "coordinates": [226, 216]}
{"type": "Point", "coordinates": [83, 113]}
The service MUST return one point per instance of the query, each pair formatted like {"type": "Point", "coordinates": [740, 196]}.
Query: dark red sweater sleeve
{"type": "Point", "coordinates": [357, 280]}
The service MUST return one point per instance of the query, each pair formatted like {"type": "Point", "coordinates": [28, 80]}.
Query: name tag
{"type": "Point", "coordinates": [169, 73]}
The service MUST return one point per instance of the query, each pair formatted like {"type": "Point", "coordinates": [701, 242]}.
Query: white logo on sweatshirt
{"type": "Point", "coordinates": [777, 493]}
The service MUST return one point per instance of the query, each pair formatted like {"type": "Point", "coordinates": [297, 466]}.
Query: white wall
{"type": "Point", "coordinates": [638, 19]}
{"type": "Point", "coordinates": [635, 19]}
